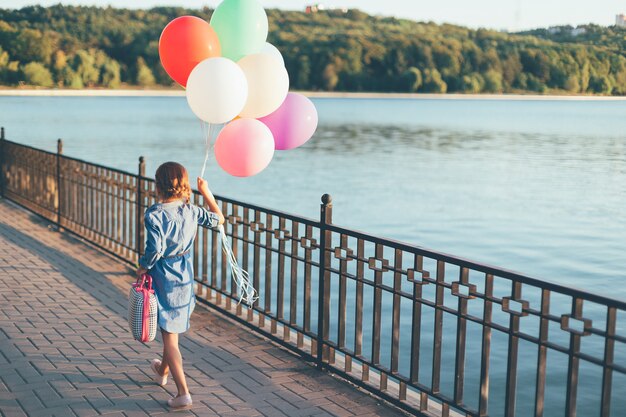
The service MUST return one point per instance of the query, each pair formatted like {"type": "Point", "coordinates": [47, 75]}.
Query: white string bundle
{"type": "Point", "coordinates": [209, 132]}
{"type": "Point", "coordinates": [245, 288]}
{"type": "Point", "coordinates": [207, 144]}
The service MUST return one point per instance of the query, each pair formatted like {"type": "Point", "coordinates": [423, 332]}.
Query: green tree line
{"type": "Point", "coordinates": [77, 47]}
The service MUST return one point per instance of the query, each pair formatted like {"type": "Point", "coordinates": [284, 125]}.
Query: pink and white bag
{"type": "Point", "coordinates": [142, 310]}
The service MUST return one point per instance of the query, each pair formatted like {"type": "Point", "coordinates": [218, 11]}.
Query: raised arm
{"type": "Point", "coordinates": [203, 187]}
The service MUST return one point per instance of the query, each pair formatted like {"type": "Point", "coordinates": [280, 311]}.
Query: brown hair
{"type": "Point", "coordinates": [172, 181]}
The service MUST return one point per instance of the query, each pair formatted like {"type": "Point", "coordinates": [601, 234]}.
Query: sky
{"type": "Point", "coordinates": [494, 14]}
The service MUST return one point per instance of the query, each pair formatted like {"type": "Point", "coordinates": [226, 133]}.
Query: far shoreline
{"type": "Point", "coordinates": [18, 92]}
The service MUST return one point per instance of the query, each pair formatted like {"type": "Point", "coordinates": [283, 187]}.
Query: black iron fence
{"type": "Point", "coordinates": [434, 334]}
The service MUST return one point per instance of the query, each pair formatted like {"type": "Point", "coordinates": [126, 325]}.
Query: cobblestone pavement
{"type": "Point", "coordinates": [65, 349]}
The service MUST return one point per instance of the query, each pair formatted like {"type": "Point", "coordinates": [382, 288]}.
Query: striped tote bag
{"type": "Point", "coordinates": [142, 310]}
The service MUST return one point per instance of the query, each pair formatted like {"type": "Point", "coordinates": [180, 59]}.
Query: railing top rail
{"type": "Point", "coordinates": [29, 147]}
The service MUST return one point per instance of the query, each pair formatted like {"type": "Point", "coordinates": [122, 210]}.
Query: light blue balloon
{"type": "Point", "coordinates": [241, 26]}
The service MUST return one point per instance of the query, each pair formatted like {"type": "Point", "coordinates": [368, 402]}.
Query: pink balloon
{"type": "Point", "coordinates": [244, 147]}
{"type": "Point", "coordinates": [293, 123]}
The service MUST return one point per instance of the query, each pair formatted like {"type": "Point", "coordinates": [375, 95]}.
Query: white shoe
{"type": "Point", "coordinates": [158, 378]}
{"type": "Point", "coordinates": [180, 403]}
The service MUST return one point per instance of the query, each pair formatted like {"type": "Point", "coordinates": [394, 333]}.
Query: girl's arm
{"type": "Point", "coordinates": [203, 187]}
{"type": "Point", "coordinates": [153, 246]}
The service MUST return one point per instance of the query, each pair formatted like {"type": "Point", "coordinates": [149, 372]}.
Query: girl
{"type": "Point", "coordinates": [171, 227]}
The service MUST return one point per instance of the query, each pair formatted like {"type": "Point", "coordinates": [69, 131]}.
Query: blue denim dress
{"type": "Point", "coordinates": [170, 231]}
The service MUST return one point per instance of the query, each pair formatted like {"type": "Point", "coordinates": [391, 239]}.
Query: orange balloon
{"type": "Point", "coordinates": [186, 41]}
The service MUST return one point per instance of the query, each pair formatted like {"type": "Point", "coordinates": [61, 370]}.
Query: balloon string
{"type": "Point", "coordinates": [207, 146]}
{"type": "Point", "coordinates": [210, 131]}
{"type": "Point", "coordinates": [246, 290]}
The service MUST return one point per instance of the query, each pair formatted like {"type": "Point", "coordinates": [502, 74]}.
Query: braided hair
{"type": "Point", "coordinates": [172, 181]}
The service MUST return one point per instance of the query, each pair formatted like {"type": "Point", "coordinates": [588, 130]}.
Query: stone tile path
{"type": "Point", "coordinates": [65, 349]}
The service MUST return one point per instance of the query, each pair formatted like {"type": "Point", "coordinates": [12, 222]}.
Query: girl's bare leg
{"type": "Point", "coordinates": [174, 360]}
{"type": "Point", "coordinates": [165, 368]}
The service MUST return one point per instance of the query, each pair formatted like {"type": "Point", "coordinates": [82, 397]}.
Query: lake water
{"type": "Point", "coordinates": [534, 186]}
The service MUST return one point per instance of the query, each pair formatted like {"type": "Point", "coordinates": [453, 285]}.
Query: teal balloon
{"type": "Point", "coordinates": [241, 26]}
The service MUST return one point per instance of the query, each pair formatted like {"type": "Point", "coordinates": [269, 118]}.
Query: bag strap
{"type": "Point", "coordinates": [148, 281]}
{"type": "Point", "coordinates": [145, 314]}
{"type": "Point", "coordinates": [144, 281]}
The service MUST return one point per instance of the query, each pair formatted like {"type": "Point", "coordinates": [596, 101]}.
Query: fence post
{"type": "Point", "coordinates": [139, 213]}
{"type": "Point", "coordinates": [323, 304]}
{"type": "Point", "coordinates": [2, 163]}
{"type": "Point", "coordinates": [59, 195]}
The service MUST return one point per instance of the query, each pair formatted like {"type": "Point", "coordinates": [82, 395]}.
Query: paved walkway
{"type": "Point", "coordinates": [65, 349]}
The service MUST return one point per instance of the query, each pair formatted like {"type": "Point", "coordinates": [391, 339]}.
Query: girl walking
{"type": "Point", "coordinates": [171, 227]}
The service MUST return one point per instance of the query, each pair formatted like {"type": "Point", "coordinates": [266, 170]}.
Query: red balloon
{"type": "Point", "coordinates": [186, 41]}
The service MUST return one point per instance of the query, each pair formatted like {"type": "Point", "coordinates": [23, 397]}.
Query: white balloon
{"type": "Point", "coordinates": [271, 50]}
{"type": "Point", "coordinates": [217, 90]}
{"type": "Point", "coordinates": [268, 84]}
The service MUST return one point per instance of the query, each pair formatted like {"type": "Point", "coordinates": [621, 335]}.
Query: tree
{"type": "Point", "coordinates": [4, 58]}
{"type": "Point", "coordinates": [411, 80]}
{"type": "Point", "coordinates": [354, 57]}
{"type": "Point", "coordinates": [330, 77]}
{"type": "Point", "coordinates": [600, 84]}
{"type": "Point", "coordinates": [70, 78]}
{"type": "Point", "coordinates": [84, 65]}
{"type": "Point", "coordinates": [536, 63]}
{"type": "Point", "coordinates": [11, 73]}
{"type": "Point", "coordinates": [620, 82]}
{"type": "Point", "coordinates": [491, 61]}
{"type": "Point", "coordinates": [511, 69]}
{"type": "Point", "coordinates": [572, 84]}
{"type": "Point", "coordinates": [395, 62]}
{"type": "Point", "coordinates": [535, 84]}
{"type": "Point", "coordinates": [585, 76]}
{"type": "Point", "coordinates": [356, 14]}
{"type": "Point", "coordinates": [493, 81]}
{"type": "Point", "coordinates": [59, 60]}
{"type": "Point", "coordinates": [36, 74]}
{"type": "Point", "coordinates": [304, 72]}
{"type": "Point", "coordinates": [4, 63]}
{"type": "Point", "coordinates": [424, 56]}
{"type": "Point", "coordinates": [473, 83]}
{"type": "Point", "coordinates": [433, 83]}
{"type": "Point", "coordinates": [446, 60]}
{"type": "Point", "coordinates": [145, 78]}
{"type": "Point", "coordinates": [521, 81]}
{"type": "Point", "coordinates": [110, 71]}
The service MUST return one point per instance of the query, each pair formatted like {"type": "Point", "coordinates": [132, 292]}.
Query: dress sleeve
{"type": "Point", "coordinates": [154, 245]}
{"type": "Point", "coordinates": [206, 218]}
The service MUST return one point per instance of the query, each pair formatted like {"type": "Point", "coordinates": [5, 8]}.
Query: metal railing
{"type": "Point", "coordinates": [432, 333]}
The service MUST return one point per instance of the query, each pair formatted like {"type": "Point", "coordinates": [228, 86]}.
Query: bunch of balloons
{"type": "Point", "coordinates": [233, 76]}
